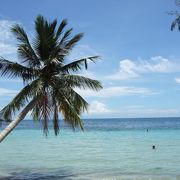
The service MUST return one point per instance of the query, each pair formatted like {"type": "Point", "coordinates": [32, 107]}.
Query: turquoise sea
{"type": "Point", "coordinates": [108, 149]}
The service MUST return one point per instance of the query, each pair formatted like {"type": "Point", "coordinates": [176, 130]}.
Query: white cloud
{"type": "Point", "coordinates": [7, 92]}
{"type": "Point", "coordinates": [97, 107]}
{"type": "Point", "coordinates": [138, 111]}
{"type": "Point", "coordinates": [177, 80]}
{"type": "Point", "coordinates": [132, 69]}
{"type": "Point", "coordinates": [158, 64]}
{"type": "Point", "coordinates": [7, 43]}
{"type": "Point", "coordinates": [7, 49]}
{"type": "Point", "coordinates": [126, 70]}
{"type": "Point", "coordinates": [117, 91]}
{"type": "Point", "coordinates": [5, 26]}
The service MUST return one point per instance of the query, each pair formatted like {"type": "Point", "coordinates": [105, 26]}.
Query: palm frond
{"type": "Point", "coordinates": [61, 27]}
{"type": "Point", "coordinates": [65, 36]}
{"type": "Point", "coordinates": [25, 50]}
{"type": "Point", "coordinates": [77, 81]}
{"type": "Point", "coordinates": [77, 65]}
{"type": "Point", "coordinates": [79, 104]}
{"type": "Point", "coordinates": [20, 100]}
{"type": "Point", "coordinates": [175, 23]}
{"type": "Point", "coordinates": [40, 42]}
{"type": "Point", "coordinates": [35, 113]}
{"type": "Point", "coordinates": [45, 111]}
{"type": "Point", "coordinates": [72, 42]}
{"type": "Point", "coordinates": [66, 44]}
{"type": "Point", "coordinates": [13, 69]}
{"type": "Point", "coordinates": [46, 39]}
{"type": "Point", "coordinates": [58, 51]}
{"type": "Point", "coordinates": [71, 116]}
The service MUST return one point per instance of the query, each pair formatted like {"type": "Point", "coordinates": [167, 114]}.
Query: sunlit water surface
{"type": "Point", "coordinates": [108, 149]}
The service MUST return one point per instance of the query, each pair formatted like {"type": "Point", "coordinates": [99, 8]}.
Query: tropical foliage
{"type": "Point", "coordinates": [176, 22]}
{"type": "Point", "coordinates": [49, 79]}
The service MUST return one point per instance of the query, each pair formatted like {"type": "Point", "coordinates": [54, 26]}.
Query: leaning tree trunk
{"type": "Point", "coordinates": [14, 123]}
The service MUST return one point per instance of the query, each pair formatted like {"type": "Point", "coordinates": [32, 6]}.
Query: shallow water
{"type": "Point", "coordinates": [109, 149]}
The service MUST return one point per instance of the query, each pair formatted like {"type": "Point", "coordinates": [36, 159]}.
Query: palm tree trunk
{"type": "Point", "coordinates": [14, 123]}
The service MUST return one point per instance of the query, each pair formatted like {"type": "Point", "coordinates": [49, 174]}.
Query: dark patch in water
{"type": "Point", "coordinates": [25, 175]}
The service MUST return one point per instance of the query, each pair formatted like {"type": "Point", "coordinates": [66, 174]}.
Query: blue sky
{"type": "Point", "coordinates": [140, 65]}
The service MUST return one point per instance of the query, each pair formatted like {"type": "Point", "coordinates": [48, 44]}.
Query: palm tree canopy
{"type": "Point", "coordinates": [48, 78]}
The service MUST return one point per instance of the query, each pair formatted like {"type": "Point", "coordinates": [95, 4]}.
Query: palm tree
{"type": "Point", "coordinates": [48, 78]}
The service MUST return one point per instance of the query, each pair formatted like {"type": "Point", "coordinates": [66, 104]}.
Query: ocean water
{"type": "Point", "coordinates": [108, 149]}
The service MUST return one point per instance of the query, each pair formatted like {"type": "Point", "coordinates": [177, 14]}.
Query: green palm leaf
{"type": "Point", "coordinates": [61, 27]}
{"type": "Point", "coordinates": [13, 69]}
{"type": "Point", "coordinates": [70, 114]}
{"type": "Point", "coordinates": [76, 81]}
{"type": "Point", "coordinates": [175, 23]}
{"type": "Point", "coordinates": [19, 101]}
{"type": "Point", "coordinates": [77, 65]}
{"type": "Point", "coordinates": [25, 50]}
